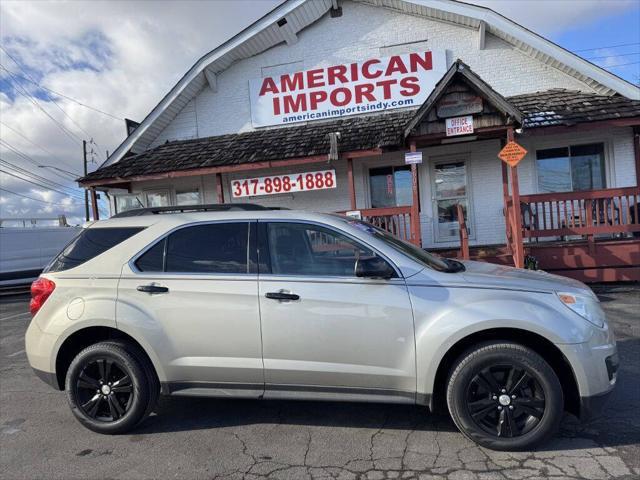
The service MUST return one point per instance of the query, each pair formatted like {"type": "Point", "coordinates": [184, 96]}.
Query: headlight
{"type": "Point", "coordinates": [588, 307]}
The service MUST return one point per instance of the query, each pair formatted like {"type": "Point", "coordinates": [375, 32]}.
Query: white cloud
{"type": "Point", "coordinates": [122, 57]}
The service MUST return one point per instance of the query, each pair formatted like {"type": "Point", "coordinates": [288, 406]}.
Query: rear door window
{"type": "Point", "coordinates": [210, 248]}
{"type": "Point", "coordinates": [88, 244]}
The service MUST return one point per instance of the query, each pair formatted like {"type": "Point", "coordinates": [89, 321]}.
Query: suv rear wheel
{"type": "Point", "coordinates": [504, 396]}
{"type": "Point", "coordinates": [109, 388]}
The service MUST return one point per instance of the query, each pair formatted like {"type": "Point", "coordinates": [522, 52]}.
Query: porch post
{"type": "Point", "coordinates": [518, 246]}
{"type": "Point", "coordinates": [507, 212]}
{"type": "Point", "coordinates": [352, 186]}
{"type": "Point", "coordinates": [94, 204]}
{"type": "Point", "coordinates": [219, 190]}
{"type": "Point", "coordinates": [415, 203]}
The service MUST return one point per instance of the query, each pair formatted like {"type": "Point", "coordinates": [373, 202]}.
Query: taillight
{"type": "Point", "coordinates": [41, 289]}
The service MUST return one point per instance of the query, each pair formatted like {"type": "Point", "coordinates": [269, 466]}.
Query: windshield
{"type": "Point", "coordinates": [427, 259]}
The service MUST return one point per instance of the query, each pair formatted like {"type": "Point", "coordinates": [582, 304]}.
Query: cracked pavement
{"type": "Point", "coordinates": [231, 439]}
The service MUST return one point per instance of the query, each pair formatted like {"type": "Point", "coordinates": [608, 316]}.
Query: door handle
{"type": "Point", "coordinates": [282, 296]}
{"type": "Point", "coordinates": [152, 289]}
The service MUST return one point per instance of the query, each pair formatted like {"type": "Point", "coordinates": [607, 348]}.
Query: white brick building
{"type": "Point", "coordinates": [570, 116]}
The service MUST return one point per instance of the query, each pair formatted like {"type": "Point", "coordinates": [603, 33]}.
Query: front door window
{"type": "Point", "coordinates": [450, 187]}
{"type": "Point", "coordinates": [390, 186]}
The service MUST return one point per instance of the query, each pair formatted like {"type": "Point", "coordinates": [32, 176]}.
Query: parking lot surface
{"type": "Point", "coordinates": [202, 438]}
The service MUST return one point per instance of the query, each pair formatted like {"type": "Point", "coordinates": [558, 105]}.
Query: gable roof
{"type": "Point", "coordinates": [367, 132]}
{"type": "Point", "coordinates": [265, 33]}
{"type": "Point", "coordinates": [460, 69]}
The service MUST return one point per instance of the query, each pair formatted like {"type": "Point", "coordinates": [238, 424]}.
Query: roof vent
{"type": "Point", "coordinates": [282, 22]}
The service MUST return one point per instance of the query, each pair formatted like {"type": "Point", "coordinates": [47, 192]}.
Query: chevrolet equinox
{"type": "Point", "coordinates": [243, 301]}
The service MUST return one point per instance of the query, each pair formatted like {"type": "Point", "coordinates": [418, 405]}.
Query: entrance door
{"type": "Point", "coordinates": [325, 331]}
{"type": "Point", "coordinates": [450, 187]}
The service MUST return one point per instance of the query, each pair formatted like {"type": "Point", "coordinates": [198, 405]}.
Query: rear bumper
{"type": "Point", "coordinates": [48, 378]}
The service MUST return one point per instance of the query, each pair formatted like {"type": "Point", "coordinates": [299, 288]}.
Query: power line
{"type": "Point", "coordinates": [614, 55]}
{"type": "Point", "coordinates": [609, 46]}
{"type": "Point", "coordinates": [36, 199]}
{"type": "Point", "coordinates": [50, 97]}
{"type": "Point", "coordinates": [95, 109]}
{"type": "Point", "coordinates": [36, 184]}
{"type": "Point", "coordinates": [29, 97]}
{"type": "Point", "coordinates": [619, 65]}
{"type": "Point", "coordinates": [24, 156]}
{"type": "Point", "coordinates": [39, 178]}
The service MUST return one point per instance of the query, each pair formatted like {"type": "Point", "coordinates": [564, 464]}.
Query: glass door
{"type": "Point", "coordinates": [450, 188]}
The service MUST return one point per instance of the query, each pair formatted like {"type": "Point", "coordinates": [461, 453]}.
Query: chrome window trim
{"type": "Point", "coordinates": [359, 241]}
{"type": "Point", "coordinates": [139, 273]}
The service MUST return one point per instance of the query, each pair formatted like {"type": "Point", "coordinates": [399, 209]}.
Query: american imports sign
{"type": "Point", "coordinates": [349, 89]}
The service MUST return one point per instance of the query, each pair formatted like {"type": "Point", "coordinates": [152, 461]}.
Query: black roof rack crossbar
{"type": "Point", "coordinates": [194, 208]}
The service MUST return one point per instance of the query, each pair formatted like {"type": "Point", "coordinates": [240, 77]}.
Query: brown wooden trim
{"type": "Point", "coordinates": [584, 194]}
{"type": "Point", "coordinates": [436, 137]}
{"type": "Point", "coordinates": [518, 249]}
{"type": "Point", "coordinates": [362, 153]}
{"type": "Point", "coordinates": [219, 188]}
{"type": "Point", "coordinates": [352, 186]}
{"type": "Point", "coordinates": [464, 233]}
{"type": "Point", "coordinates": [415, 202]}
{"type": "Point", "coordinates": [586, 230]}
{"type": "Point", "coordinates": [94, 205]}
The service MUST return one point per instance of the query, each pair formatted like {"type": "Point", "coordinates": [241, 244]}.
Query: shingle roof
{"type": "Point", "coordinates": [568, 107]}
{"type": "Point", "coordinates": [541, 109]}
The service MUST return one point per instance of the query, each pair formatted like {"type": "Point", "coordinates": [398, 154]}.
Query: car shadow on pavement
{"type": "Point", "coordinates": [619, 425]}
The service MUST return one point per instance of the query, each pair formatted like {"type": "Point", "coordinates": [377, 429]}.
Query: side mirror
{"type": "Point", "coordinates": [374, 267]}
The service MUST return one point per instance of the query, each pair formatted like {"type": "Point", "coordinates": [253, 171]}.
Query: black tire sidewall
{"type": "Point", "coordinates": [135, 371]}
{"type": "Point", "coordinates": [495, 354]}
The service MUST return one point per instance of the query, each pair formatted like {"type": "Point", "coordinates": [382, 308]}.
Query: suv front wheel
{"type": "Point", "coordinates": [504, 396]}
{"type": "Point", "coordinates": [108, 388]}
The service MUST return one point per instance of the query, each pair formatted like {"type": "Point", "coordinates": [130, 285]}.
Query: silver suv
{"type": "Point", "coordinates": [249, 302]}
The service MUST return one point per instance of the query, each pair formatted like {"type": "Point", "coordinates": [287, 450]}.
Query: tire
{"type": "Point", "coordinates": [152, 378]}
{"type": "Point", "coordinates": [504, 396]}
{"type": "Point", "coordinates": [108, 388]}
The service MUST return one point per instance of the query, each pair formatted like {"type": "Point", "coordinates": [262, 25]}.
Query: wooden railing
{"type": "Point", "coordinates": [395, 220]}
{"type": "Point", "coordinates": [588, 213]}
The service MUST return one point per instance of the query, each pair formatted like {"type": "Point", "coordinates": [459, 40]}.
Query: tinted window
{"type": "Point", "coordinates": [153, 259]}
{"type": "Point", "coordinates": [301, 249]}
{"type": "Point", "coordinates": [212, 248]}
{"type": "Point", "coordinates": [89, 243]}
{"type": "Point", "coordinates": [579, 167]}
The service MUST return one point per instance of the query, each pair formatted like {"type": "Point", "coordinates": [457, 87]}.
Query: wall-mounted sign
{"type": "Point", "coordinates": [413, 157]}
{"type": "Point", "coordinates": [373, 85]}
{"type": "Point", "coordinates": [354, 214]}
{"type": "Point", "coordinates": [459, 103]}
{"type": "Point", "coordinates": [459, 125]}
{"type": "Point", "coordinates": [512, 153]}
{"type": "Point", "coordinates": [297, 182]}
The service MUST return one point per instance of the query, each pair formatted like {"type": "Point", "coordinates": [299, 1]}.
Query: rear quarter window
{"type": "Point", "coordinates": [90, 243]}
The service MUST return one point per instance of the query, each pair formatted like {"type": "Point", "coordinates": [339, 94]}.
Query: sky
{"type": "Point", "coordinates": [72, 71]}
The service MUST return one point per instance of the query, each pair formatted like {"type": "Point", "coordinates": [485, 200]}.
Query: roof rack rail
{"type": "Point", "coordinates": [138, 212]}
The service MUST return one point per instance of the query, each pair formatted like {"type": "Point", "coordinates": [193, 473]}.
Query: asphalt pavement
{"type": "Point", "coordinates": [208, 438]}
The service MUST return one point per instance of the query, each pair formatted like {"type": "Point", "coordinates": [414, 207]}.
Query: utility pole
{"type": "Point", "coordinates": [86, 191]}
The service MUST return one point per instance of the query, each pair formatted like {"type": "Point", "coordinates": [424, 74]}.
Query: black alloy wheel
{"type": "Point", "coordinates": [111, 387]}
{"type": "Point", "coordinates": [504, 396]}
{"type": "Point", "coordinates": [104, 390]}
{"type": "Point", "coordinates": [505, 400]}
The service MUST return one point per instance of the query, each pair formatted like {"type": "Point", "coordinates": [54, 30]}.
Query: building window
{"type": "Point", "coordinates": [390, 186]}
{"type": "Point", "coordinates": [128, 202]}
{"type": "Point", "coordinates": [158, 199]}
{"type": "Point", "coordinates": [570, 169]}
{"type": "Point", "coordinates": [188, 197]}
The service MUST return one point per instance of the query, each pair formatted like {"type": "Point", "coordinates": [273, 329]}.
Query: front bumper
{"type": "Point", "coordinates": [595, 367]}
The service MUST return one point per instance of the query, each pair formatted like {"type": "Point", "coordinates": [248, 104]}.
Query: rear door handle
{"type": "Point", "coordinates": [282, 296]}
{"type": "Point", "coordinates": [152, 289]}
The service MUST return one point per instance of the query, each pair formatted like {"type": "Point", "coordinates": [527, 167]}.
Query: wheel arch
{"type": "Point", "coordinates": [80, 339]}
{"type": "Point", "coordinates": [545, 348]}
